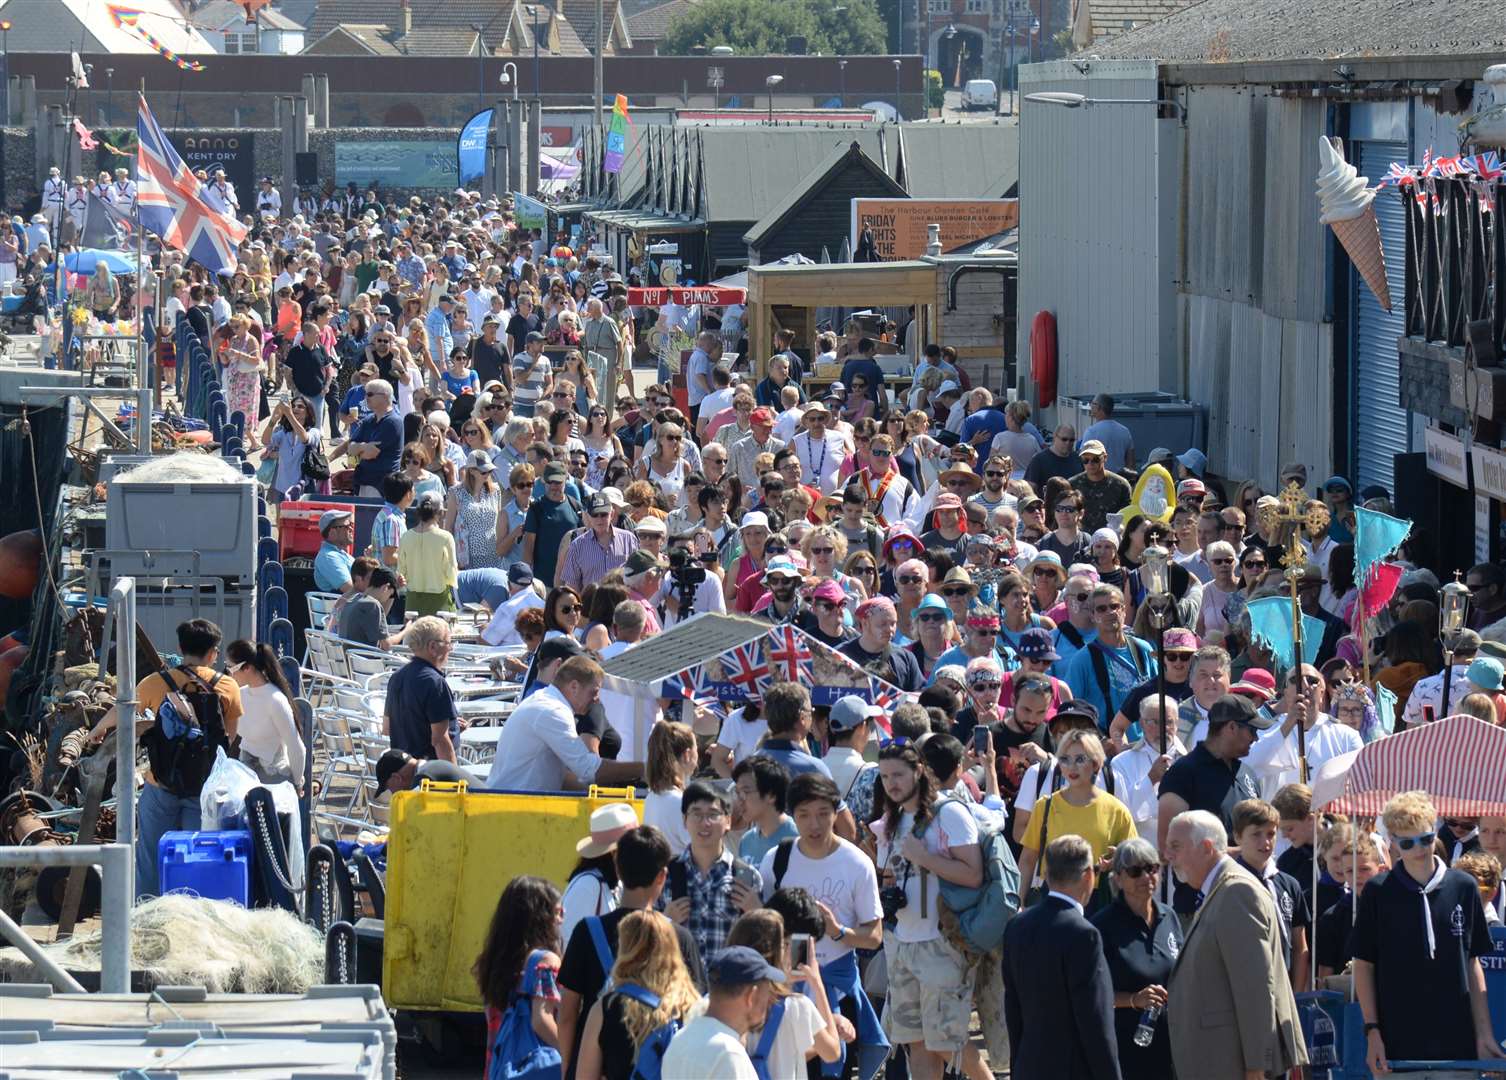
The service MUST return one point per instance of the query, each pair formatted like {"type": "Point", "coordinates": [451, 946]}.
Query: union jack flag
{"type": "Point", "coordinates": [170, 203]}
{"type": "Point", "coordinates": [1399, 175]}
{"type": "Point", "coordinates": [1486, 166]}
{"type": "Point", "coordinates": [789, 653]}
{"type": "Point", "coordinates": [1449, 166]}
{"type": "Point", "coordinates": [1429, 166]}
{"type": "Point", "coordinates": [746, 667]}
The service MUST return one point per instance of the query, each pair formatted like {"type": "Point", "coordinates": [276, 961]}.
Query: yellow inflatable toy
{"type": "Point", "coordinates": [1153, 495]}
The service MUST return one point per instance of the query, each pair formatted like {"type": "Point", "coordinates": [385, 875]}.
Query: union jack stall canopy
{"type": "Point", "coordinates": [170, 204]}
{"type": "Point", "coordinates": [1459, 761]}
{"type": "Point", "coordinates": [728, 658]}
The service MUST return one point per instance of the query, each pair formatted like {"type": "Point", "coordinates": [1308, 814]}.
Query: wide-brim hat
{"type": "Point", "coordinates": [609, 824]}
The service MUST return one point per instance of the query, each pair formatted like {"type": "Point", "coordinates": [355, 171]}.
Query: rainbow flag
{"type": "Point", "coordinates": [617, 136]}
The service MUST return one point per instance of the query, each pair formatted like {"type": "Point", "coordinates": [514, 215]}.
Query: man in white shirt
{"type": "Point", "coordinates": [842, 879]}
{"type": "Point", "coordinates": [1429, 691]}
{"type": "Point", "coordinates": [716, 401]}
{"type": "Point", "coordinates": [633, 717]}
{"type": "Point", "coordinates": [1274, 759]}
{"type": "Point", "coordinates": [478, 299]}
{"type": "Point", "coordinates": [822, 452]}
{"type": "Point", "coordinates": [1139, 768]}
{"type": "Point", "coordinates": [521, 595]}
{"type": "Point", "coordinates": [788, 420]}
{"type": "Point", "coordinates": [219, 193]}
{"type": "Point", "coordinates": [539, 746]}
{"type": "Point", "coordinates": [712, 1044]}
{"type": "Point", "coordinates": [268, 200]}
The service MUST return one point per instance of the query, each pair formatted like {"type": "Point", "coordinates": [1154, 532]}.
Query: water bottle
{"type": "Point", "coordinates": [1146, 1031]}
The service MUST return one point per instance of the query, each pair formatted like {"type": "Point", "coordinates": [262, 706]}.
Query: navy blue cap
{"type": "Point", "coordinates": [740, 966]}
{"type": "Point", "coordinates": [520, 574]}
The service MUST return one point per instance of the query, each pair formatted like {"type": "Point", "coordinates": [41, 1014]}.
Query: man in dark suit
{"type": "Point", "coordinates": [1058, 1000]}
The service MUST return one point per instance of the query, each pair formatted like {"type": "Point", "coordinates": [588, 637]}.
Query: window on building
{"type": "Point", "coordinates": [241, 43]}
{"type": "Point", "coordinates": [940, 7]}
{"type": "Point", "coordinates": [979, 7]}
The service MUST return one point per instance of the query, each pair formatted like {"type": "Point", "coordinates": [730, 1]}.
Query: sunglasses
{"type": "Point", "coordinates": [524, 486]}
{"type": "Point", "coordinates": [1255, 564]}
{"type": "Point", "coordinates": [1148, 870]}
{"type": "Point", "coordinates": [1103, 609]}
{"type": "Point", "coordinates": [1222, 562]}
{"type": "Point", "coordinates": [909, 579]}
{"type": "Point", "coordinates": [826, 605]}
{"type": "Point", "coordinates": [1407, 843]}
{"type": "Point", "coordinates": [569, 609]}
{"type": "Point", "coordinates": [863, 568]}
{"type": "Point", "coordinates": [985, 684]}
{"type": "Point", "coordinates": [956, 591]}
{"type": "Point", "coordinates": [823, 551]}
{"type": "Point", "coordinates": [1081, 597]}
{"type": "Point", "coordinates": [1068, 510]}
{"type": "Point", "coordinates": [995, 472]}
{"type": "Point", "coordinates": [776, 549]}
{"type": "Point", "coordinates": [984, 631]}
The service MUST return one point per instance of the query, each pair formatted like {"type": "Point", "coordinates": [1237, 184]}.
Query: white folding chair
{"type": "Point", "coordinates": [343, 757]}
{"type": "Point", "coordinates": [366, 664]}
{"type": "Point", "coordinates": [320, 605]}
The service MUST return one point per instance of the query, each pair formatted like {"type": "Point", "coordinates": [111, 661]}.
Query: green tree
{"type": "Point", "coordinates": [765, 27]}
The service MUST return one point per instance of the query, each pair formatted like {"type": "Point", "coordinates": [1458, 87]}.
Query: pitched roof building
{"type": "Point", "coordinates": [507, 27]}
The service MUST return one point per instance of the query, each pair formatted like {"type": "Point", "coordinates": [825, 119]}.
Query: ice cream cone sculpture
{"type": "Point", "coordinates": [1348, 208]}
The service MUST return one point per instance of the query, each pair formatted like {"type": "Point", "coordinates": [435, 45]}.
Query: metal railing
{"type": "Point", "coordinates": [116, 861]}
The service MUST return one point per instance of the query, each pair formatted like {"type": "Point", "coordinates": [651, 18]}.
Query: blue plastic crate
{"type": "Point", "coordinates": [214, 865]}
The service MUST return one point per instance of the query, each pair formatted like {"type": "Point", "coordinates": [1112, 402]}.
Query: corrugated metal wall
{"type": "Point", "coordinates": [1259, 354]}
{"type": "Point", "coordinates": [1092, 231]}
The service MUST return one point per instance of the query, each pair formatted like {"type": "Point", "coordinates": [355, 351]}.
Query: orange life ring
{"type": "Point", "coordinates": [1043, 358]}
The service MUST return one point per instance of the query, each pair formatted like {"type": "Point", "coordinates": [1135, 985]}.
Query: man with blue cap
{"type": "Point", "coordinates": [741, 991]}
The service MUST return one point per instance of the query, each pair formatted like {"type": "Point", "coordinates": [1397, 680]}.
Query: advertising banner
{"type": "Point", "coordinates": [233, 151]}
{"type": "Point", "coordinates": [470, 149]}
{"type": "Point", "coordinates": [401, 163]}
{"type": "Point", "coordinates": [899, 225]}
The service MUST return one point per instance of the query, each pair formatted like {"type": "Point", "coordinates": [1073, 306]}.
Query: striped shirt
{"type": "Point", "coordinates": [587, 560]}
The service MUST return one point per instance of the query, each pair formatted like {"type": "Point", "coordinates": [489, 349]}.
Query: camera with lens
{"type": "Point", "coordinates": [684, 570]}
{"type": "Point", "coordinates": [893, 900]}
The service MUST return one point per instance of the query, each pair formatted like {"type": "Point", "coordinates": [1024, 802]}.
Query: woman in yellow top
{"type": "Point", "coordinates": [426, 561]}
{"type": "Point", "coordinates": [1079, 808]}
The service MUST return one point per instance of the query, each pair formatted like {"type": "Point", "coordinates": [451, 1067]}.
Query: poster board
{"type": "Point", "coordinates": [899, 225]}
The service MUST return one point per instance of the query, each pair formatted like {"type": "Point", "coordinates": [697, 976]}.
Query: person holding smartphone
{"type": "Point", "coordinates": [707, 888]}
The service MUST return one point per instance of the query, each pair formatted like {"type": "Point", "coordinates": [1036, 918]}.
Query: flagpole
{"type": "Point", "coordinates": [143, 378]}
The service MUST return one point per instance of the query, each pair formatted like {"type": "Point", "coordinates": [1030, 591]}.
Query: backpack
{"type": "Point", "coordinates": [604, 955]}
{"type": "Point", "coordinates": [765, 1047]}
{"type": "Point", "coordinates": [782, 861]}
{"type": "Point", "coordinates": [984, 911]}
{"type": "Point", "coordinates": [649, 1065]}
{"type": "Point", "coordinates": [187, 730]}
{"type": "Point", "coordinates": [315, 464]}
{"type": "Point", "coordinates": [1139, 652]}
{"type": "Point", "coordinates": [517, 1053]}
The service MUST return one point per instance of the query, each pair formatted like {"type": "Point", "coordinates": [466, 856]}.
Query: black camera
{"type": "Point", "coordinates": [684, 570]}
{"type": "Point", "coordinates": [893, 900]}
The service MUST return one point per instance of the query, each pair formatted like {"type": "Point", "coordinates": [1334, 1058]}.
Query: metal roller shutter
{"type": "Point", "coordinates": [1382, 427]}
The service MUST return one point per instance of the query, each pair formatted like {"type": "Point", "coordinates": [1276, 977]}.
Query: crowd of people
{"type": "Point", "coordinates": [790, 898]}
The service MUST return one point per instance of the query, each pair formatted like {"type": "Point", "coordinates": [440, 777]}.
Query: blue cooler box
{"type": "Point", "coordinates": [214, 865]}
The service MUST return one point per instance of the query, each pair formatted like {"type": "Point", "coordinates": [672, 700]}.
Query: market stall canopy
{"type": "Point", "coordinates": [739, 280]}
{"type": "Point", "coordinates": [734, 658]}
{"type": "Point", "coordinates": [1459, 761]}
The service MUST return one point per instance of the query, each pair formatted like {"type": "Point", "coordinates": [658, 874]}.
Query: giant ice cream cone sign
{"type": "Point", "coordinates": [1348, 208]}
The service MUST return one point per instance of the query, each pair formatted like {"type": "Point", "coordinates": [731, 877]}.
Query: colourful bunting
{"type": "Point", "coordinates": [1376, 538]}
{"type": "Point", "coordinates": [1271, 628]}
{"type": "Point", "coordinates": [86, 139]}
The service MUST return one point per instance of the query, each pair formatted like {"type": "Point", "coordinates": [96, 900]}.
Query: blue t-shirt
{"type": "Point", "coordinates": [484, 585]}
{"type": "Point", "coordinates": [1117, 441]}
{"type": "Point", "coordinates": [989, 420]}
{"type": "Point", "coordinates": [332, 567]}
{"type": "Point", "coordinates": [755, 845]}
{"type": "Point", "coordinates": [355, 398]}
{"type": "Point", "coordinates": [1126, 668]}
{"type": "Point", "coordinates": [459, 384]}
{"type": "Point", "coordinates": [387, 433]}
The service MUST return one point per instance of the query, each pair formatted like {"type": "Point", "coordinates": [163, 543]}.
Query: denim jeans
{"type": "Point", "coordinates": [159, 812]}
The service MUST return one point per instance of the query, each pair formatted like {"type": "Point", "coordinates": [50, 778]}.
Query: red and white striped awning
{"type": "Point", "coordinates": [1459, 761]}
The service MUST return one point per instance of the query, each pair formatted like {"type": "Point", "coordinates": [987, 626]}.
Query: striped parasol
{"type": "Point", "coordinates": [1459, 761]}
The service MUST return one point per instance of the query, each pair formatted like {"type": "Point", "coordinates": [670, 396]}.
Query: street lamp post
{"type": "Point", "coordinates": [898, 112]}
{"type": "Point", "coordinates": [842, 76]}
{"type": "Point", "coordinates": [510, 77]}
{"type": "Point", "coordinates": [109, 97]}
{"type": "Point", "coordinates": [1035, 32]}
{"type": "Point", "coordinates": [770, 82]}
{"type": "Point", "coordinates": [5, 25]}
{"type": "Point", "coordinates": [1153, 569]}
{"type": "Point", "coordinates": [1455, 607]}
{"type": "Point", "coordinates": [1009, 71]}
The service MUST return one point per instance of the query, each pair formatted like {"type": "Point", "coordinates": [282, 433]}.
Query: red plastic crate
{"type": "Point", "coordinates": [298, 526]}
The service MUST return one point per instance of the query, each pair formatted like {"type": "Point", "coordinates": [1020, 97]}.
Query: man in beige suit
{"type": "Point", "coordinates": [1229, 1004]}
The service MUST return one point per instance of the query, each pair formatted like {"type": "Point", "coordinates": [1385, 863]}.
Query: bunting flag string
{"type": "Point", "coordinates": [1271, 628]}
{"type": "Point", "coordinates": [126, 18]}
{"type": "Point", "coordinates": [1376, 538]}
{"type": "Point", "coordinates": [1480, 170]}
{"type": "Point", "coordinates": [86, 139]}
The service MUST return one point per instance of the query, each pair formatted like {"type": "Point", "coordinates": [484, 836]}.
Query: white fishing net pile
{"type": "Point", "coordinates": [183, 940]}
{"type": "Point", "coordinates": [185, 467]}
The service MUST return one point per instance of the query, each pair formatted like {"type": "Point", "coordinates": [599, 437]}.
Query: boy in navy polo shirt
{"type": "Point", "coordinates": [1255, 825]}
{"type": "Point", "coordinates": [1417, 943]}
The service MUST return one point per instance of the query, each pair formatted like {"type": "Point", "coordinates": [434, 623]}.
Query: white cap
{"type": "Point", "coordinates": [752, 518]}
